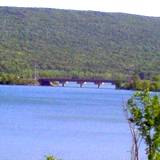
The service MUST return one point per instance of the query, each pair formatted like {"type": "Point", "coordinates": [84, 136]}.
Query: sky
{"type": "Point", "coordinates": [140, 7]}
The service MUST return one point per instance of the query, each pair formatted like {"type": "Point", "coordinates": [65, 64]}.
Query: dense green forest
{"type": "Point", "coordinates": [77, 43]}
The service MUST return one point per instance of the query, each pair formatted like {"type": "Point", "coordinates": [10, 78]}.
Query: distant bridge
{"type": "Point", "coordinates": [63, 81]}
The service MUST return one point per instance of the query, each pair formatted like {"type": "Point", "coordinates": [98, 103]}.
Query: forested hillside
{"type": "Point", "coordinates": [77, 41]}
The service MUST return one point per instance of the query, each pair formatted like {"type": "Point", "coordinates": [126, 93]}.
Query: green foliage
{"type": "Point", "coordinates": [13, 79]}
{"type": "Point", "coordinates": [156, 78]}
{"type": "Point", "coordinates": [79, 41]}
{"type": "Point", "coordinates": [136, 83]}
{"type": "Point", "coordinates": [50, 157]}
{"type": "Point", "coordinates": [144, 112]}
{"type": "Point", "coordinates": [155, 86]}
{"type": "Point", "coordinates": [73, 74]}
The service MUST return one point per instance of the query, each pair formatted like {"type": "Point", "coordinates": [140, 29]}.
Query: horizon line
{"type": "Point", "coordinates": [81, 10]}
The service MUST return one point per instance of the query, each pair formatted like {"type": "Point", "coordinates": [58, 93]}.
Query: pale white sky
{"type": "Point", "coordinates": [141, 7]}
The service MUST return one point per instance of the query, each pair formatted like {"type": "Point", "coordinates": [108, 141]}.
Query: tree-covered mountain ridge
{"type": "Point", "coordinates": [87, 41]}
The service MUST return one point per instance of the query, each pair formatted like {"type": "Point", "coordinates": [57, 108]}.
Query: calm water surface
{"type": "Point", "coordinates": [70, 122]}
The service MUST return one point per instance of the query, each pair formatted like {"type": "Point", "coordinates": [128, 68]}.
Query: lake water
{"type": "Point", "coordinates": [70, 122]}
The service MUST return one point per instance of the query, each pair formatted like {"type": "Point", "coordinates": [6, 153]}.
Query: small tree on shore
{"type": "Point", "coordinates": [143, 113]}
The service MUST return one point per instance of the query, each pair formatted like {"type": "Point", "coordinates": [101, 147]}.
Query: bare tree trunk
{"type": "Point", "coordinates": [136, 139]}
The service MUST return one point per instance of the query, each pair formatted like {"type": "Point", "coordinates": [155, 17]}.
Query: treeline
{"type": "Point", "coordinates": [28, 76]}
{"type": "Point", "coordinates": [11, 79]}
{"type": "Point", "coordinates": [77, 74]}
{"type": "Point", "coordinates": [31, 77]}
{"type": "Point", "coordinates": [136, 83]}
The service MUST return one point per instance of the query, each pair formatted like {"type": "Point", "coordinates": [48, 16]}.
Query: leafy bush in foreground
{"type": "Point", "coordinates": [144, 115]}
